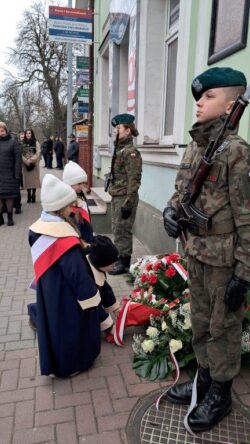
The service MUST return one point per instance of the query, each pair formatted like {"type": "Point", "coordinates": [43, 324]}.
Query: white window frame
{"type": "Point", "coordinates": [170, 35]}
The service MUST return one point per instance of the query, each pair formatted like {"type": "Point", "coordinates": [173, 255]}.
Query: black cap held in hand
{"type": "Point", "coordinates": [103, 252]}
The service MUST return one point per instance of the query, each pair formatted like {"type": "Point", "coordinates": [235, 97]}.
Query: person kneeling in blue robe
{"type": "Point", "coordinates": [68, 299]}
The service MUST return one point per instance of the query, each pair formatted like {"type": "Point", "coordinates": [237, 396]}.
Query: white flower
{"type": "Point", "coordinates": [164, 326]}
{"type": "Point", "coordinates": [175, 345]}
{"type": "Point", "coordinates": [173, 317]}
{"type": "Point", "coordinates": [152, 332]}
{"type": "Point", "coordinates": [186, 307]}
{"type": "Point", "coordinates": [153, 300]}
{"type": "Point", "coordinates": [187, 323]}
{"type": "Point", "coordinates": [186, 292]}
{"type": "Point", "coordinates": [148, 345]}
{"type": "Point", "coordinates": [134, 269]}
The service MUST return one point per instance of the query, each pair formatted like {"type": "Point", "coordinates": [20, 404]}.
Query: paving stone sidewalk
{"type": "Point", "coordinates": [91, 408]}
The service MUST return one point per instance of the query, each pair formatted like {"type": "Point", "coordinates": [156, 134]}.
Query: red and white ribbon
{"type": "Point", "coordinates": [180, 269]}
{"type": "Point", "coordinates": [120, 324]}
{"type": "Point", "coordinates": [177, 375]}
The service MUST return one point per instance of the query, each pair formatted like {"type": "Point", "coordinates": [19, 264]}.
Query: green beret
{"type": "Point", "coordinates": [122, 119]}
{"type": "Point", "coordinates": [217, 78]}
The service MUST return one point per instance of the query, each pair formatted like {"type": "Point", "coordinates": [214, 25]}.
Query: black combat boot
{"type": "Point", "coordinates": [121, 266]}
{"type": "Point", "coordinates": [1, 219]}
{"type": "Point", "coordinates": [29, 195]}
{"type": "Point", "coordinates": [10, 219]}
{"type": "Point", "coordinates": [216, 404]}
{"type": "Point", "coordinates": [182, 393]}
{"type": "Point", "coordinates": [33, 195]}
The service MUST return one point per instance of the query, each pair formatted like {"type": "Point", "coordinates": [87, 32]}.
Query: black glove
{"type": "Point", "coordinates": [170, 222]}
{"type": "Point", "coordinates": [235, 293]}
{"type": "Point", "coordinates": [126, 212]}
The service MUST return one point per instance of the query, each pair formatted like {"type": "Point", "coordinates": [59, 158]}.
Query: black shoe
{"type": "Point", "coordinates": [32, 325]}
{"type": "Point", "coordinates": [29, 196]}
{"type": "Point", "coordinates": [216, 404]}
{"type": "Point", "coordinates": [33, 196]}
{"type": "Point", "coordinates": [121, 266]}
{"type": "Point", "coordinates": [18, 210]}
{"type": "Point", "coordinates": [10, 219]}
{"type": "Point", "coordinates": [1, 220]}
{"type": "Point", "coordinates": [182, 393]}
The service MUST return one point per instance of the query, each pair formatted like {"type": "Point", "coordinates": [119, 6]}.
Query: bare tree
{"type": "Point", "coordinates": [23, 106]}
{"type": "Point", "coordinates": [42, 62]}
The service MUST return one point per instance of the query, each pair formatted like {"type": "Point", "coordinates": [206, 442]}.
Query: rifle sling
{"type": "Point", "coordinates": [219, 228]}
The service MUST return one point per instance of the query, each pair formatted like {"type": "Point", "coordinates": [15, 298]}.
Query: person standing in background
{"type": "Point", "coordinates": [44, 149]}
{"type": "Point", "coordinates": [50, 152]}
{"type": "Point", "coordinates": [10, 172]}
{"type": "Point", "coordinates": [125, 181]}
{"type": "Point", "coordinates": [18, 199]}
{"type": "Point", "coordinates": [59, 150]}
{"type": "Point", "coordinates": [31, 158]}
{"type": "Point", "coordinates": [73, 149]}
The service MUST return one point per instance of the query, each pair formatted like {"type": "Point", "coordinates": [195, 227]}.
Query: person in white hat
{"type": "Point", "coordinates": [68, 301]}
{"type": "Point", "coordinates": [77, 178]}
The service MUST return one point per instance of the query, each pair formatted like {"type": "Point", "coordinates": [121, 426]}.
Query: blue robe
{"type": "Point", "coordinates": [68, 335]}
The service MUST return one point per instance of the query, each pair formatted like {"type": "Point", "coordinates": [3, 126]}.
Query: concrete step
{"type": "Point", "coordinates": [101, 210]}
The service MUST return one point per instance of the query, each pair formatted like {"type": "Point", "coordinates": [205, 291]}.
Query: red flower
{"type": "Point", "coordinates": [174, 257]}
{"type": "Point", "coordinates": [149, 266]}
{"type": "Point", "coordinates": [157, 265]}
{"type": "Point", "coordinates": [144, 278]}
{"type": "Point", "coordinates": [170, 272]}
{"type": "Point", "coordinates": [153, 279]}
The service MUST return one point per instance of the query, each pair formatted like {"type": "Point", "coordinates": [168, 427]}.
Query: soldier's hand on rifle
{"type": "Point", "coordinates": [236, 293]}
{"type": "Point", "coordinates": [125, 212]}
{"type": "Point", "coordinates": [170, 222]}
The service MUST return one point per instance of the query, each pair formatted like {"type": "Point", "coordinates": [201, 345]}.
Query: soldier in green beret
{"type": "Point", "coordinates": [219, 257]}
{"type": "Point", "coordinates": [126, 179]}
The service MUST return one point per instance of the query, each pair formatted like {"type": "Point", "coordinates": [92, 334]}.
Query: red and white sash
{"type": "Point", "coordinates": [83, 210]}
{"type": "Point", "coordinates": [47, 250]}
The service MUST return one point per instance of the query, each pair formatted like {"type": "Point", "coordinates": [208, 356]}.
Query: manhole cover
{"type": "Point", "coordinates": [165, 426]}
{"type": "Point", "coordinates": [146, 425]}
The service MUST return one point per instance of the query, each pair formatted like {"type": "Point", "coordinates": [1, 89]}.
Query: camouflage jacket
{"type": "Point", "coordinates": [127, 170]}
{"type": "Point", "coordinates": [225, 196]}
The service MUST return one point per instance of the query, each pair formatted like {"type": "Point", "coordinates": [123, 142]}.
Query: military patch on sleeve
{"type": "Point", "coordinates": [214, 173]}
{"type": "Point", "coordinates": [133, 155]}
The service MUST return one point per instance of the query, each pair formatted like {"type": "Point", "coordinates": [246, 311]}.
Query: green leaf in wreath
{"type": "Point", "coordinates": [154, 372]}
{"type": "Point", "coordinates": [163, 370]}
{"type": "Point", "coordinates": [143, 369]}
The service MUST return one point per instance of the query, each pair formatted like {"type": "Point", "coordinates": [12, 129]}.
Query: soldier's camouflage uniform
{"type": "Point", "coordinates": [214, 255]}
{"type": "Point", "coordinates": [124, 191]}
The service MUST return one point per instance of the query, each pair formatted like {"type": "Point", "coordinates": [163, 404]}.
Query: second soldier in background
{"type": "Point", "coordinates": [125, 182]}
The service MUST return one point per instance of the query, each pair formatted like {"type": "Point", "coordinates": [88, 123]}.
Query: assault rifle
{"type": "Point", "coordinates": [190, 215]}
{"type": "Point", "coordinates": [109, 177]}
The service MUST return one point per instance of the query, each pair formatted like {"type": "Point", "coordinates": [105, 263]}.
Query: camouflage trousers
{"type": "Point", "coordinates": [216, 332]}
{"type": "Point", "coordinates": [122, 228]}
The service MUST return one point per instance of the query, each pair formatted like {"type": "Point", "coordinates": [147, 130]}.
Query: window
{"type": "Point", "coordinates": [171, 48]}
{"type": "Point", "coordinates": [229, 26]}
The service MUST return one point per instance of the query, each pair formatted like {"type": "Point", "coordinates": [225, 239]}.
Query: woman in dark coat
{"type": "Point", "coordinates": [31, 155]}
{"type": "Point", "coordinates": [10, 172]}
